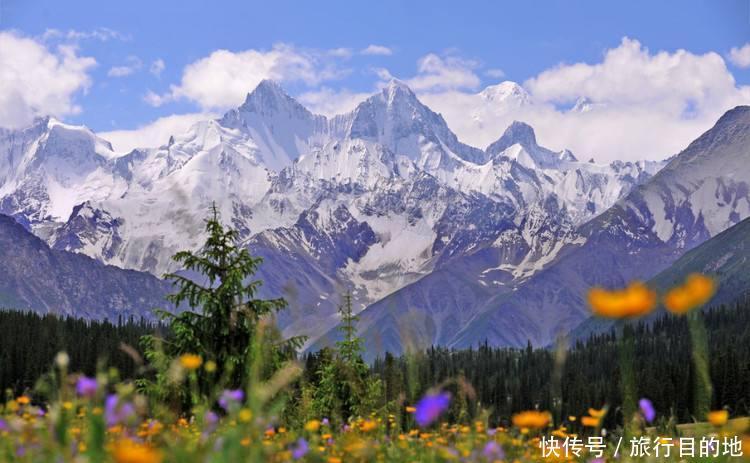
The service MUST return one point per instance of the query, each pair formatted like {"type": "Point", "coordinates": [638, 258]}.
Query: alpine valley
{"type": "Point", "coordinates": [439, 242]}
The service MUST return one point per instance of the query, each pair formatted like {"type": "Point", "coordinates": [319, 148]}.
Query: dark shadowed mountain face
{"type": "Point", "coordinates": [33, 276]}
{"type": "Point", "coordinates": [701, 192]}
{"type": "Point", "coordinates": [726, 257]}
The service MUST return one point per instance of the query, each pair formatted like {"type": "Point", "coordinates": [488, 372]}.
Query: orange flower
{"type": "Point", "coordinates": [23, 400]}
{"type": "Point", "coordinates": [718, 417]}
{"type": "Point", "coordinates": [635, 300]}
{"type": "Point", "coordinates": [190, 361]}
{"type": "Point", "coordinates": [598, 413]}
{"type": "Point", "coordinates": [127, 451]}
{"type": "Point", "coordinates": [697, 290]}
{"type": "Point", "coordinates": [590, 421]}
{"type": "Point", "coordinates": [531, 419]}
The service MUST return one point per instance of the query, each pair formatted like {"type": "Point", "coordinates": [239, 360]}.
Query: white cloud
{"type": "Point", "coordinates": [437, 73]}
{"type": "Point", "coordinates": [377, 50]}
{"type": "Point", "coordinates": [341, 52]}
{"type": "Point", "coordinates": [331, 102]}
{"type": "Point", "coordinates": [157, 67]}
{"type": "Point", "coordinates": [740, 57]}
{"type": "Point", "coordinates": [133, 64]}
{"type": "Point", "coordinates": [223, 78]}
{"type": "Point", "coordinates": [36, 80]}
{"type": "Point", "coordinates": [643, 105]}
{"type": "Point", "coordinates": [155, 133]}
{"type": "Point", "coordinates": [101, 34]}
{"type": "Point", "coordinates": [495, 73]}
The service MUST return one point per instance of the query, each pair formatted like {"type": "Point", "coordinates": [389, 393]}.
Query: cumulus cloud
{"type": "Point", "coordinates": [223, 78]}
{"type": "Point", "coordinates": [330, 102]}
{"type": "Point", "coordinates": [157, 67]}
{"type": "Point", "coordinates": [133, 64]}
{"type": "Point", "coordinates": [740, 57]}
{"type": "Point", "coordinates": [634, 104]}
{"type": "Point", "coordinates": [36, 80]}
{"type": "Point", "coordinates": [436, 73]}
{"type": "Point", "coordinates": [155, 133]}
{"type": "Point", "coordinates": [495, 73]}
{"type": "Point", "coordinates": [376, 50]}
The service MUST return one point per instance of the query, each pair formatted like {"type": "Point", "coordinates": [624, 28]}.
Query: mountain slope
{"type": "Point", "coordinates": [702, 191]}
{"type": "Point", "coordinates": [35, 277]}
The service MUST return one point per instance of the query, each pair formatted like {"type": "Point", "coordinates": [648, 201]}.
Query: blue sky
{"type": "Point", "coordinates": [492, 41]}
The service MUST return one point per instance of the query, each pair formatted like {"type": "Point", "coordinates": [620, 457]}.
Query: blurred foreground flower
{"type": "Point", "coordinates": [647, 410]}
{"type": "Point", "coordinates": [190, 361]}
{"type": "Point", "coordinates": [718, 417]}
{"type": "Point", "coordinates": [231, 397]}
{"type": "Point", "coordinates": [127, 451]}
{"type": "Point", "coordinates": [531, 419]}
{"type": "Point", "coordinates": [86, 387]}
{"type": "Point", "coordinates": [431, 407]}
{"type": "Point", "coordinates": [635, 300]}
{"type": "Point", "coordinates": [696, 291]}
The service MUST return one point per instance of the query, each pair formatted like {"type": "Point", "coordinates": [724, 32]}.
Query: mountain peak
{"type": "Point", "coordinates": [517, 133]}
{"type": "Point", "coordinates": [506, 92]}
{"type": "Point", "coordinates": [269, 97]}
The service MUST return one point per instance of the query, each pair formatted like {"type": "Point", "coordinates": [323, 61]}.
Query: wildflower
{"type": "Point", "coordinates": [116, 413]}
{"type": "Point", "coordinates": [696, 291]}
{"type": "Point", "coordinates": [431, 407]}
{"type": "Point", "coordinates": [590, 421]}
{"type": "Point", "coordinates": [492, 451]}
{"type": "Point", "coordinates": [531, 419]}
{"type": "Point", "coordinates": [598, 413]}
{"type": "Point", "coordinates": [647, 410]}
{"type": "Point", "coordinates": [210, 366]}
{"type": "Point", "coordinates": [635, 300]}
{"type": "Point", "coordinates": [62, 360]}
{"type": "Point", "coordinates": [718, 417]}
{"type": "Point", "coordinates": [312, 425]}
{"type": "Point", "coordinates": [190, 361]}
{"type": "Point", "coordinates": [411, 409]}
{"type": "Point", "coordinates": [23, 400]}
{"type": "Point", "coordinates": [127, 451]}
{"type": "Point", "coordinates": [86, 387]}
{"type": "Point", "coordinates": [245, 415]}
{"type": "Point", "coordinates": [300, 449]}
{"type": "Point", "coordinates": [368, 425]}
{"type": "Point", "coordinates": [231, 397]}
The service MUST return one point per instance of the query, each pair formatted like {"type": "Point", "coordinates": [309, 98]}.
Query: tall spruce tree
{"type": "Point", "coordinates": [224, 313]}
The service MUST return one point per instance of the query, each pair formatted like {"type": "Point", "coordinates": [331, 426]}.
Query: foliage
{"type": "Point", "coordinates": [216, 283]}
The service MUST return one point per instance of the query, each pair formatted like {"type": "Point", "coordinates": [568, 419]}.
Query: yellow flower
{"type": "Point", "coordinates": [598, 413]}
{"type": "Point", "coordinates": [334, 460]}
{"type": "Point", "coordinates": [23, 400]}
{"type": "Point", "coordinates": [210, 366]}
{"type": "Point", "coordinates": [190, 361]}
{"type": "Point", "coordinates": [368, 425]}
{"type": "Point", "coordinates": [411, 409]}
{"type": "Point", "coordinates": [127, 451]}
{"type": "Point", "coordinates": [531, 419]}
{"type": "Point", "coordinates": [635, 300]}
{"type": "Point", "coordinates": [572, 418]}
{"type": "Point", "coordinates": [312, 425]}
{"type": "Point", "coordinates": [245, 415]}
{"type": "Point", "coordinates": [697, 290]}
{"type": "Point", "coordinates": [718, 417]}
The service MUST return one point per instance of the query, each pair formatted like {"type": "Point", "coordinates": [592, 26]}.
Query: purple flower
{"type": "Point", "coordinates": [231, 397]}
{"type": "Point", "coordinates": [325, 422]}
{"type": "Point", "coordinates": [647, 409]}
{"type": "Point", "coordinates": [492, 450]}
{"type": "Point", "coordinates": [86, 387]}
{"type": "Point", "coordinates": [4, 425]}
{"type": "Point", "coordinates": [300, 449]}
{"type": "Point", "coordinates": [115, 412]}
{"type": "Point", "coordinates": [431, 407]}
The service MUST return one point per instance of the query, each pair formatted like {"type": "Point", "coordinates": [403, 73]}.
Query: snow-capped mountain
{"type": "Point", "coordinates": [377, 200]}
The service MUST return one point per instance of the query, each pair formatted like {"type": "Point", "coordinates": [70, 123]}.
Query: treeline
{"type": "Point", "coordinates": [29, 343]}
{"type": "Point", "coordinates": [505, 380]}
{"type": "Point", "coordinates": [501, 380]}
